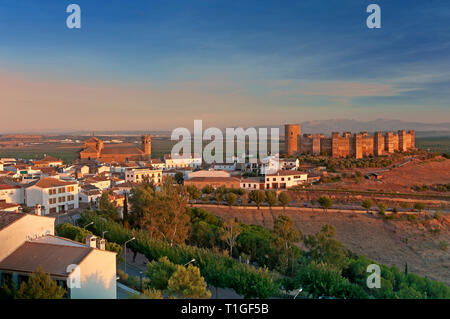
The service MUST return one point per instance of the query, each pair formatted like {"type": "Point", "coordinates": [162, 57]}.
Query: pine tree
{"type": "Point", "coordinates": [40, 286]}
{"type": "Point", "coordinates": [188, 283]}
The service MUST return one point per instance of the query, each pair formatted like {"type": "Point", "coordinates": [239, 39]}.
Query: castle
{"type": "Point", "coordinates": [94, 148]}
{"type": "Point", "coordinates": [356, 145]}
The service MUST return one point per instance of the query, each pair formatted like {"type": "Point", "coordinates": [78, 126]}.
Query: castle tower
{"type": "Point", "coordinates": [413, 138]}
{"type": "Point", "coordinates": [378, 144]}
{"type": "Point", "coordinates": [146, 144]}
{"type": "Point", "coordinates": [291, 136]}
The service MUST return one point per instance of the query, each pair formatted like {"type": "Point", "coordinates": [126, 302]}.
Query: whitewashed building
{"type": "Point", "coordinates": [12, 194]}
{"type": "Point", "coordinates": [85, 270]}
{"type": "Point", "coordinates": [53, 195]}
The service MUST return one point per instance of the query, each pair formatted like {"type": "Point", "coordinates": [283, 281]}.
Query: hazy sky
{"type": "Point", "coordinates": [161, 64]}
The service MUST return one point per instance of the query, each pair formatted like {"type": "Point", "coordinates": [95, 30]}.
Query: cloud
{"type": "Point", "coordinates": [344, 90]}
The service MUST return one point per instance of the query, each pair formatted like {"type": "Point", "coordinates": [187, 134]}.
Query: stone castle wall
{"type": "Point", "coordinates": [356, 145]}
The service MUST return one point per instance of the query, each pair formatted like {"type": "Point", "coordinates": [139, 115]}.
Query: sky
{"type": "Point", "coordinates": [158, 65]}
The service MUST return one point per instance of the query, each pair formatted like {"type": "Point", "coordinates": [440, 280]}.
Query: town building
{"type": "Point", "coordinates": [86, 271]}
{"type": "Point", "coordinates": [95, 149]}
{"type": "Point", "coordinates": [193, 161]}
{"type": "Point", "coordinates": [48, 161]}
{"type": "Point", "coordinates": [12, 194]}
{"type": "Point", "coordinates": [252, 183]}
{"type": "Point", "coordinates": [137, 175]}
{"type": "Point", "coordinates": [285, 179]}
{"type": "Point", "coordinates": [53, 195]}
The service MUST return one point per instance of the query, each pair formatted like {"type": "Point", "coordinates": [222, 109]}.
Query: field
{"type": "Point", "coordinates": [390, 242]}
{"type": "Point", "coordinates": [66, 152]}
{"type": "Point", "coordinates": [434, 144]}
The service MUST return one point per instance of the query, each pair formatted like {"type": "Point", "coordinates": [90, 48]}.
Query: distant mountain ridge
{"type": "Point", "coordinates": [354, 126]}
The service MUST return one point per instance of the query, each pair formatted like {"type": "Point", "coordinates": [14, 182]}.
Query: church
{"type": "Point", "coordinates": [95, 149]}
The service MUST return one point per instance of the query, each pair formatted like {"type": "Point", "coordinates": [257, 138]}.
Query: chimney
{"type": "Point", "coordinates": [91, 241]}
{"type": "Point", "coordinates": [38, 210]}
{"type": "Point", "coordinates": [101, 243]}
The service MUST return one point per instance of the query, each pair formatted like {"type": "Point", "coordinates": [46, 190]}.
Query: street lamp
{"type": "Point", "coordinates": [88, 225]}
{"type": "Point", "coordinates": [103, 233]}
{"type": "Point", "coordinates": [126, 251]}
{"type": "Point", "coordinates": [189, 262]}
{"type": "Point", "coordinates": [299, 291]}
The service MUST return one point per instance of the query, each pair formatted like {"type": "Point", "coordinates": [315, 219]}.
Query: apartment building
{"type": "Point", "coordinates": [137, 175]}
{"type": "Point", "coordinates": [53, 195]}
{"type": "Point", "coordinates": [11, 194]}
{"type": "Point", "coordinates": [193, 161]}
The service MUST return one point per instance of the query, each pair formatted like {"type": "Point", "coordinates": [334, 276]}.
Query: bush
{"type": "Point", "coordinates": [219, 271]}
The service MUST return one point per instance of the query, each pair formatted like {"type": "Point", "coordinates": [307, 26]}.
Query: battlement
{"type": "Point", "coordinates": [346, 144]}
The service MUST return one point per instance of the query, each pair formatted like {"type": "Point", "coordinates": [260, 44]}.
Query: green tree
{"type": "Point", "coordinates": [325, 202]}
{"type": "Point", "coordinates": [126, 216]}
{"type": "Point", "coordinates": [323, 247]}
{"type": "Point", "coordinates": [284, 198]}
{"type": "Point", "coordinates": [194, 193]}
{"type": "Point", "coordinates": [230, 231]}
{"type": "Point", "coordinates": [40, 286]}
{"type": "Point", "coordinates": [257, 196]}
{"type": "Point", "coordinates": [284, 227]}
{"type": "Point", "coordinates": [179, 178]}
{"type": "Point", "coordinates": [218, 196]}
{"type": "Point", "coordinates": [419, 206]}
{"type": "Point", "coordinates": [108, 209]}
{"type": "Point", "coordinates": [187, 282]}
{"type": "Point", "coordinates": [271, 198]}
{"type": "Point", "coordinates": [159, 273]}
{"type": "Point", "coordinates": [231, 199]}
{"type": "Point", "coordinates": [367, 204]}
{"type": "Point", "coordinates": [208, 189]}
{"type": "Point", "coordinates": [381, 208]}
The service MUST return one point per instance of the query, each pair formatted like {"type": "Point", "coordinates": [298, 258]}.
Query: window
{"type": "Point", "coordinates": [61, 199]}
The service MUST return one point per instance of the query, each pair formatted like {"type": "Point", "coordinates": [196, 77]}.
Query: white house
{"type": "Point", "coordinates": [137, 175]}
{"type": "Point", "coordinates": [12, 194]}
{"type": "Point", "coordinates": [225, 166]}
{"type": "Point", "coordinates": [289, 163]}
{"type": "Point", "coordinates": [193, 161]}
{"type": "Point", "coordinates": [98, 181]}
{"type": "Point", "coordinates": [86, 271]}
{"type": "Point", "coordinates": [285, 179]}
{"type": "Point", "coordinates": [52, 194]}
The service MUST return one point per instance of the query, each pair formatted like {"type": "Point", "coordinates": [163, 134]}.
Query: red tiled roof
{"type": "Point", "coordinates": [52, 182]}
